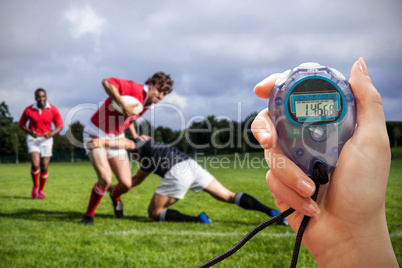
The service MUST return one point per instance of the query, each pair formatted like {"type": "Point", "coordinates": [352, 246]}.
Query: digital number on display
{"type": "Point", "coordinates": [315, 107]}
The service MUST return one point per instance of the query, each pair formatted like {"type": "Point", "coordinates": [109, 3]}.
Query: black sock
{"type": "Point", "coordinates": [174, 215]}
{"type": "Point", "coordinates": [248, 202]}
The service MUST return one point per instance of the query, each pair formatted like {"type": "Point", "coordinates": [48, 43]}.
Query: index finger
{"type": "Point", "coordinates": [263, 88]}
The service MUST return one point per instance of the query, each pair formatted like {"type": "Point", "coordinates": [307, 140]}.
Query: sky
{"type": "Point", "coordinates": [216, 51]}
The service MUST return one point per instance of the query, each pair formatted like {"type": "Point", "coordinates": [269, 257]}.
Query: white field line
{"type": "Point", "coordinates": [189, 233]}
{"type": "Point", "coordinates": [396, 234]}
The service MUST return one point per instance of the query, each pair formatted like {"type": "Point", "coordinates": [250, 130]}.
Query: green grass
{"type": "Point", "coordinates": [46, 233]}
{"type": "Point", "coordinates": [396, 150]}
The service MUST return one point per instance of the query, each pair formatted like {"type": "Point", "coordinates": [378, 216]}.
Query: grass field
{"type": "Point", "coordinates": [46, 233]}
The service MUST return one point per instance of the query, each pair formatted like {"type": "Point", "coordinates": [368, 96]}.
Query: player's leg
{"type": "Point", "coordinates": [35, 162]}
{"type": "Point", "coordinates": [173, 187]}
{"type": "Point", "coordinates": [158, 210]}
{"type": "Point", "coordinates": [45, 146]}
{"type": "Point", "coordinates": [44, 172]}
{"type": "Point", "coordinates": [121, 168]}
{"type": "Point", "coordinates": [158, 204]}
{"type": "Point", "coordinates": [220, 192]}
{"type": "Point", "coordinates": [243, 200]}
{"type": "Point", "coordinates": [100, 163]}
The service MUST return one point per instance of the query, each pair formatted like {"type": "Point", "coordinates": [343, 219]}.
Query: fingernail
{"type": "Point", "coordinates": [306, 188]}
{"type": "Point", "coordinates": [363, 66]}
{"type": "Point", "coordinates": [312, 209]}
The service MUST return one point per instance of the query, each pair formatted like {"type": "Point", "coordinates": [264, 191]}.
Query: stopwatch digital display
{"type": "Point", "coordinates": [315, 100]}
{"type": "Point", "coordinates": [313, 109]}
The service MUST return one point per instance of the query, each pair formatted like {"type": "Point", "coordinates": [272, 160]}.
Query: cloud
{"type": "Point", "coordinates": [177, 100]}
{"type": "Point", "coordinates": [215, 51]}
{"type": "Point", "coordinates": [84, 21]}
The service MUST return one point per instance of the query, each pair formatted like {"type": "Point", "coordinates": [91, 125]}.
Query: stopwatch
{"type": "Point", "coordinates": [314, 112]}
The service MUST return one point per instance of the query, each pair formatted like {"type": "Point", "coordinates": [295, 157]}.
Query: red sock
{"type": "Point", "coordinates": [43, 178]}
{"type": "Point", "coordinates": [117, 192]}
{"type": "Point", "coordinates": [35, 176]}
{"type": "Point", "coordinates": [96, 196]}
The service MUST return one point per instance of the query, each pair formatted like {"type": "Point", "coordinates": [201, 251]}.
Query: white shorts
{"type": "Point", "coordinates": [41, 145]}
{"type": "Point", "coordinates": [91, 129]}
{"type": "Point", "coordinates": [184, 176]}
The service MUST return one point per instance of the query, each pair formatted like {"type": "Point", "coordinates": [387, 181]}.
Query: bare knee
{"type": "Point", "coordinates": [105, 180]}
{"type": "Point", "coordinates": [44, 163]}
{"type": "Point", "coordinates": [125, 186]}
{"type": "Point", "coordinates": [35, 162]}
{"type": "Point", "coordinates": [43, 167]}
{"type": "Point", "coordinates": [34, 166]}
{"type": "Point", "coordinates": [153, 213]}
{"type": "Point", "coordinates": [100, 163]}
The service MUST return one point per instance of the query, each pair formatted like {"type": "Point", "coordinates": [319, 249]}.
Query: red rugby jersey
{"type": "Point", "coordinates": [41, 121]}
{"type": "Point", "coordinates": [113, 122]}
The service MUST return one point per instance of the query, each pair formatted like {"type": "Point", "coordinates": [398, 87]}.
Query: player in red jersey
{"type": "Point", "coordinates": [40, 115]}
{"type": "Point", "coordinates": [107, 123]}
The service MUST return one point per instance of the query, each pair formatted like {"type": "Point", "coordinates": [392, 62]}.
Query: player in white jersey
{"type": "Point", "coordinates": [179, 174]}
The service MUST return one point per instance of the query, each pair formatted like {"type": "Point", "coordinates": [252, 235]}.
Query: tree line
{"type": "Point", "coordinates": [210, 136]}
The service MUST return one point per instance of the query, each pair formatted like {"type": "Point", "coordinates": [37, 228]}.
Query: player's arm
{"type": "Point", "coordinates": [114, 93]}
{"type": "Point", "coordinates": [122, 143]}
{"type": "Point", "coordinates": [139, 177]}
{"type": "Point", "coordinates": [135, 134]}
{"type": "Point", "coordinates": [58, 123]}
{"type": "Point", "coordinates": [50, 134]}
{"type": "Point", "coordinates": [33, 133]}
{"type": "Point", "coordinates": [22, 123]}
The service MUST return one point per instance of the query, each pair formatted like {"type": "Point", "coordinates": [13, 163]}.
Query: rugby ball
{"type": "Point", "coordinates": [131, 102]}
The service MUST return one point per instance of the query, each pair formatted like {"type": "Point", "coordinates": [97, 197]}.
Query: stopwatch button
{"type": "Point", "coordinates": [299, 152]}
{"type": "Point", "coordinates": [310, 65]}
{"type": "Point", "coordinates": [317, 133]}
{"type": "Point", "coordinates": [278, 101]}
{"type": "Point", "coordinates": [350, 97]}
{"type": "Point", "coordinates": [335, 150]}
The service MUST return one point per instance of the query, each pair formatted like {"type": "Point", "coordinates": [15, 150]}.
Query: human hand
{"type": "Point", "coordinates": [95, 143]}
{"type": "Point", "coordinates": [48, 135]}
{"type": "Point", "coordinates": [143, 137]}
{"type": "Point", "coordinates": [35, 134]}
{"type": "Point", "coordinates": [348, 225]}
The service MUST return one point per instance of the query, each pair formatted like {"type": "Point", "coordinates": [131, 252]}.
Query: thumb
{"type": "Point", "coordinates": [371, 128]}
{"type": "Point", "coordinates": [370, 111]}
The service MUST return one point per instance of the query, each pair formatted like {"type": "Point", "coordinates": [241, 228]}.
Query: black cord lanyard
{"type": "Point", "coordinates": [319, 176]}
